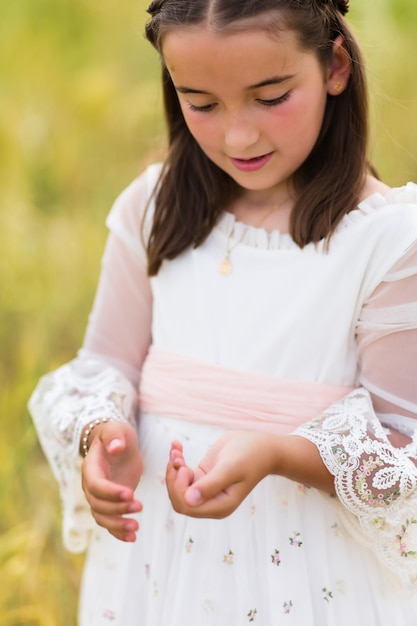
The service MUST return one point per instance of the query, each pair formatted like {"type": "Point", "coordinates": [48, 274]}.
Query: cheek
{"type": "Point", "coordinates": [300, 119]}
{"type": "Point", "coordinates": [201, 127]}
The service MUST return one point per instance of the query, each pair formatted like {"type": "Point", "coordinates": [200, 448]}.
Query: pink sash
{"type": "Point", "coordinates": [179, 387]}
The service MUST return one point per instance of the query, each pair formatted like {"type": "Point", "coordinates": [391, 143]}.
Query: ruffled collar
{"type": "Point", "coordinates": [258, 237]}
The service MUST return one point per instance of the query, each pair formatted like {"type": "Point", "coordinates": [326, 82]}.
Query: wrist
{"type": "Point", "coordinates": [301, 462]}
{"type": "Point", "coordinates": [90, 431]}
{"type": "Point", "coordinates": [270, 451]}
{"type": "Point", "coordinates": [288, 455]}
{"type": "Point", "coordinates": [275, 451]}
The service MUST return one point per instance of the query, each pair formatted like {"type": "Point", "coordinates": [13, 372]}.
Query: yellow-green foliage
{"type": "Point", "coordinates": [80, 115]}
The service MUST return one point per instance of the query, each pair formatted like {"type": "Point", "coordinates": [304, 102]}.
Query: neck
{"type": "Point", "coordinates": [271, 215]}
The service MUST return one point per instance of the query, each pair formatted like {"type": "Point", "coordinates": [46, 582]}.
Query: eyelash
{"type": "Point", "coordinates": [267, 103]}
{"type": "Point", "coordinates": [275, 101]}
{"type": "Point", "coordinates": [204, 109]}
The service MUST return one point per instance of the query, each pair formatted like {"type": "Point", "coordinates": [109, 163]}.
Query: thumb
{"type": "Point", "coordinates": [210, 486]}
{"type": "Point", "coordinates": [113, 438]}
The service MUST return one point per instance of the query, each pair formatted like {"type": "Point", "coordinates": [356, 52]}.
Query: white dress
{"type": "Point", "coordinates": [289, 555]}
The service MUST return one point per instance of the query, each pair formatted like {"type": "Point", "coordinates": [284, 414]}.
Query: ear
{"type": "Point", "coordinates": [340, 68]}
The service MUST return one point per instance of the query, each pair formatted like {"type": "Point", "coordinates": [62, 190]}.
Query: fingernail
{"type": "Point", "coordinates": [135, 507]}
{"type": "Point", "coordinates": [193, 497]}
{"type": "Point", "coordinates": [113, 444]}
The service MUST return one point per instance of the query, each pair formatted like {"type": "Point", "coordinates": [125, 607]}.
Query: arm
{"type": "Point", "coordinates": [101, 382]}
{"type": "Point", "coordinates": [63, 402]}
{"type": "Point", "coordinates": [369, 442]}
{"type": "Point", "coordinates": [369, 439]}
{"type": "Point", "coordinates": [235, 464]}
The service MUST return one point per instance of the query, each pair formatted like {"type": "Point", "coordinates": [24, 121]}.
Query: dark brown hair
{"type": "Point", "coordinates": [193, 191]}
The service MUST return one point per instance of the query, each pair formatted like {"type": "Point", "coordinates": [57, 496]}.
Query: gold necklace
{"type": "Point", "coordinates": [225, 267]}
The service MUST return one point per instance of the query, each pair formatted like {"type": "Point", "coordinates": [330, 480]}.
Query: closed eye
{"type": "Point", "coordinates": [201, 109]}
{"type": "Point", "coordinates": [206, 108]}
{"type": "Point", "coordinates": [275, 101]}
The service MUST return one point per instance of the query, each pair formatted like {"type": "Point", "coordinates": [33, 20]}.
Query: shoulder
{"type": "Point", "coordinates": [383, 228]}
{"type": "Point", "coordinates": [385, 221]}
{"type": "Point", "coordinates": [131, 205]}
{"type": "Point", "coordinates": [375, 192]}
{"type": "Point", "coordinates": [388, 217]}
{"type": "Point", "coordinates": [372, 186]}
{"type": "Point", "coordinates": [131, 215]}
{"type": "Point", "coordinates": [384, 202]}
{"type": "Point", "coordinates": [141, 188]}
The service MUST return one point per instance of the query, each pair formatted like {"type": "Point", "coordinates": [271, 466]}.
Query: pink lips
{"type": "Point", "coordinates": [251, 165]}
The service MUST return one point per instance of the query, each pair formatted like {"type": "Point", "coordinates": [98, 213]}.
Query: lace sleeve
{"type": "Point", "coordinates": [368, 440]}
{"type": "Point", "coordinates": [103, 380]}
{"type": "Point", "coordinates": [63, 403]}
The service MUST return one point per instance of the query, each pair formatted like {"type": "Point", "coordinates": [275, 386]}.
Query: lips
{"type": "Point", "coordinates": [251, 165]}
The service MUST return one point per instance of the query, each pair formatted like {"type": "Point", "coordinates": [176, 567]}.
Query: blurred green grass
{"type": "Point", "coordinates": [80, 116]}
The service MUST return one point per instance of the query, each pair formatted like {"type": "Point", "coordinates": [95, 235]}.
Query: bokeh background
{"type": "Point", "coordinates": [80, 116]}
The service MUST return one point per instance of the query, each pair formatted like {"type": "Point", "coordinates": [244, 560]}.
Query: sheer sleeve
{"type": "Point", "coordinates": [387, 341]}
{"type": "Point", "coordinates": [368, 440]}
{"type": "Point", "coordinates": [103, 380]}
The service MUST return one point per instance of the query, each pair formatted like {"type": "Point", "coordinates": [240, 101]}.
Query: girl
{"type": "Point", "coordinates": [259, 290]}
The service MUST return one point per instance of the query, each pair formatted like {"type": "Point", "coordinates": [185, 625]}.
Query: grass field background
{"type": "Point", "coordinates": [80, 116]}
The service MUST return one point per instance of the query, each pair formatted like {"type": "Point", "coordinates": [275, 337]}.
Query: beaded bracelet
{"type": "Point", "coordinates": [84, 441]}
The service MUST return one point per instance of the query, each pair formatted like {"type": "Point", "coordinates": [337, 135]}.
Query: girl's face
{"type": "Point", "coordinates": [254, 104]}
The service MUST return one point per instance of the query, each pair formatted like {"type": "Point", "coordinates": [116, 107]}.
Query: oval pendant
{"type": "Point", "coordinates": [225, 267]}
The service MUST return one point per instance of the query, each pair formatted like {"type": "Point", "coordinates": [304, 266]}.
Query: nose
{"type": "Point", "coordinates": [240, 133]}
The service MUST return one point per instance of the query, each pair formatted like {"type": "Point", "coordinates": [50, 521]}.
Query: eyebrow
{"type": "Point", "coordinates": [274, 80]}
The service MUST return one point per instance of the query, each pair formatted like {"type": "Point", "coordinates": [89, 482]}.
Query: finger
{"type": "Point", "coordinates": [122, 528]}
{"type": "Point", "coordinates": [177, 482]}
{"type": "Point", "coordinates": [96, 478]}
{"type": "Point", "coordinates": [178, 479]}
{"type": "Point", "coordinates": [210, 485]}
{"type": "Point", "coordinates": [109, 441]}
{"type": "Point", "coordinates": [176, 454]}
{"type": "Point", "coordinates": [176, 459]}
{"type": "Point", "coordinates": [115, 446]}
{"type": "Point", "coordinates": [219, 507]}
{"type": "Point", "coordinates": [115, 432]}
{"type": "Point", "coordinates": [106, 507]}
{"type": "Point", "coordinates": [103, 489]}
{"type": "Point", "coordinates": [115, 439]}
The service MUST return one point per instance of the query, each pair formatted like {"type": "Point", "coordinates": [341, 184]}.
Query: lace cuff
{"type": "Point", "coordinates": [375, 482]}
{"type": "Point", "coordinates": [63, 403]}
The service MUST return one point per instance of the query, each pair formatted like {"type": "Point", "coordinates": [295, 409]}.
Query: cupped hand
{"type": "Point", "coordinates": [110, 474]}
{"type": "Point", "coordinates": [224, 477]}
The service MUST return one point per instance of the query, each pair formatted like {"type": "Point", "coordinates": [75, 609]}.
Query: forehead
{"type": "Point", "coordinates": [200, 54]}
